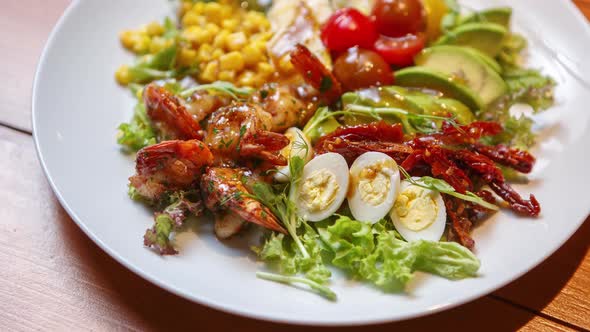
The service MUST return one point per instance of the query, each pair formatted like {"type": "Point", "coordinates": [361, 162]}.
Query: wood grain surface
{"type": "Point", "coordinates": [53, 277]}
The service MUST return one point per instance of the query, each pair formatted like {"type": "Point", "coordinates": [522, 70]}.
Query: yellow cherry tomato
{"type": "Point", "coordinates": [435, 11]}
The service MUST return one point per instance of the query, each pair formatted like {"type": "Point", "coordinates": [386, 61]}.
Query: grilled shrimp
{"type": "Point", "coordinates": [316, 74]}
{"type": "Point", "coordinates": [289, 104]}
{"type": "Point", "coordinates": [168, 166]}
{"type": "Point", "coordinates": [242, 131]}
{"type": "Point", "coordinates": [223, 190]}
{"type": "Point", "coordinates": [293, 101]}
{"type": "Point", "coordinates": [169, 116]}
{"type": "Point", "coordinates": [202, 103]}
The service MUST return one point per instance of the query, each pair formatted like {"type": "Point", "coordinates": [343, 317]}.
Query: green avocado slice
{"type": "Point", "coordinates": [485, 37]}
{"type": "Point", "coordinates": [500, 15]}
{"type": "Point", "coordinates": [464, 65]}
{"type": "Point", "coordinates": [428, 78]}
{"type": "Point", "coordinates": [433, 105]}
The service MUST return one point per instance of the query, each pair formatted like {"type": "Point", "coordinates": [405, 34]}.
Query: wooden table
{"type": "Point", "coordinates": [53, 277]}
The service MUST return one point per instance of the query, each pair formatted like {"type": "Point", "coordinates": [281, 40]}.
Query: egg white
{"type": "Point", "coordinates": [337, 166]}
{"type": "Point", "coordinates": [363, 210]}
{"type": "Point", "coordinates": [434, 231]}
{"type": "Point", "coordinates": [296, 147]}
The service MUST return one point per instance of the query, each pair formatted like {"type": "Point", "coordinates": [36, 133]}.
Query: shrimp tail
{"type": "Point", "coordinates": [315, 73]}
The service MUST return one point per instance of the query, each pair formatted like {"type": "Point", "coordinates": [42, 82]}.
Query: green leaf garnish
{"type": "Point", "coordinates": [221, 87]}
{"type": "Point", "coordinates": [442, 186]}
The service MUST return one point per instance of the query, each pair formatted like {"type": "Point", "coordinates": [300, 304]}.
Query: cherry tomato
{"type": "Point", "coordinates": [397, 18]}
{"type": "Point", "coordinates": [400, 51]}
{"type": "Point", "coordinates": [346, 28]}
{"type": "Point", "coordinates": [358, 68]}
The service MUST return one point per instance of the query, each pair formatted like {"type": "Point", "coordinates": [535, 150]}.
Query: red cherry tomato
{"type": "Point", "coordinates": [397, 18]}
{"type": "Point", "coordinates": [346, 28]}
{"type": "Point", "coordinates": [358, 68]}
{"type": "Point", "coordinates": [400, 51]}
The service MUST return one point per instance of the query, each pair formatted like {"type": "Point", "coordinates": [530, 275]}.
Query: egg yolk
{"type": "Point", "coordinates": [416, 208]}
{"type": "Point", "coordinates": [319, 190]}
{"type": "Point", "coordinates": [374, 183]}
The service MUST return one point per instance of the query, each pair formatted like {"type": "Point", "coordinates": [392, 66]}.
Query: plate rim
{"type": "Point", "coordinates": [227, 308]}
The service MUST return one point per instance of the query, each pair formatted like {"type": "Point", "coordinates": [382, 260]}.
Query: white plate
{"type": "Point", "coordinates": [77, 107]}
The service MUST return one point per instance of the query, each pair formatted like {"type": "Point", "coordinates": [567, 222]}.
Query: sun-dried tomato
{"type": "Point", "coordinates": [442, 166]}
{"type": "Point", "coordinates": [353, 141]}
{"type": "Point", "coordinates": [460, 224]}
{"type": "Point", "coordinates": [481, 164]}
{"type": "Point", "coordinates": [517, 203]}
{"type": "Point", "coordinates": [519, 160]}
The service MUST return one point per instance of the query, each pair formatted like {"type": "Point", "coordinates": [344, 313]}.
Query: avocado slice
{"type": "Point", "coordinates": [500, 15]}
{"type": "Point", "coordinates": [428, 78]}
{"type": "Point", "coordinates": [433, 105]}
{"type": "Point", "coordinates": [485, 37]}
{"type": "Point", "coordinates": [377, 97]}
{"type": "Point", "coordinates": [491, 62]}
{"type": "Point", "coordinates": [462, 64]}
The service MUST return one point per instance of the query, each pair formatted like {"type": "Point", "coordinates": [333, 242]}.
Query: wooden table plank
{"type": "Point", "coordinates": [24, 28]}
{"type": "Point", "coordinates": [56, 278]}
{"type": "Point", "coordinates": [559, 287]}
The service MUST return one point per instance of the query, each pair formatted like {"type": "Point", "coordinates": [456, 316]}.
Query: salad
{"type": "Point", "coordinates": [366, 136]}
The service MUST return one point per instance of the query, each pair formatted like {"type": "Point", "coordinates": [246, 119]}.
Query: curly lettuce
{"type": "Point", "coordinates": [378, 255]}
{"type": "Point", "coordinates": [176, 208]}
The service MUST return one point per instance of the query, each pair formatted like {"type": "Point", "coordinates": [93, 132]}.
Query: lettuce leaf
{"type": "Point", "coordinates": [530, 87]}
{"type": "Point", "coordinates": [138, 132]}
{"type": "Point", "coordinates": [378, 255]}
{"type": "Point", "coordinates": [281, 254]}
{"type": "Point", "coordinates": [176, 208]}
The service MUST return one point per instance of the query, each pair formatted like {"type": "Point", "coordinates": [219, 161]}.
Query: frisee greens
{"type": "Point", "coordinates": [442, 186]}
{"type": "Point", "coordinates": [138, 132]}
{"type": "Point", "coordinates": [530, 87]}
{"type": "Point", "coordinates": [175, 209]}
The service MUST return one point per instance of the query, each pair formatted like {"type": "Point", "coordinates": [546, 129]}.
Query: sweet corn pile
{"type": "Point", "coordinates": [223, 40]}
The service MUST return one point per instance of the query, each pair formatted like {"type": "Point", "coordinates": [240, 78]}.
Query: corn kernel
{"type": "Point", "coordinates": [231, 61]}
{"type": "Point", "coordinates": [198, 7]}
{"type": "Point", "coordinates": [205, 53]}
{"type": "Point", "coordinates": [227, 75]}
{"type": "Point", "coordinates": [127, 38]}
{"type": "Point", "coordinates": [191, 19]}
{"type": "Point", "coordinates": [122, 75]}
{"type": "Point", "coordinates": [155, 29]}
{"type": "Point", "coordinates": [247, 78]}
{"type": "Point", "coordinates": [227, 11]}
{"type": "Point", "coordinates": [265, 68]}
{"type": "Point", "coordinates": [230, 24]}
{"type": "Point", "coordinates": [197, 35]}
{"type": "Point", "coordinates": [187, 57]}
{"type": "Point", "coordinates": [285, 65]}
{"type": "Point", "coordinates": [209, 74]}
{"type": "Point", "coordinates": [220, 40]}
{"type": "Point", "coordinates": [141, 44]}
{"type": "Point", "coordinates": [158, 44]}
{"type": "Point", "coordinates": [252, 55]}
{"type": "Point", "coordinates": [217, 53]}
{"type": "Point", "coordinates": [236, 41]}
{"type": "Point", "coordinates": [184, 8]}
{"type": "Point", "coordinates": [213, 29]}
{"type": "Point", "coordinates": [213, 11]}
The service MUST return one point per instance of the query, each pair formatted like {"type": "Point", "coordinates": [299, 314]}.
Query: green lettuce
{"type": "Point", "coordinates": [281, 254]}
{"type": "Point", "coordinates": [530, 87]}
{"type": "Point", "coordinates": [378, 255]}
{"type": "Point", "coordinates": [138, 132]}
